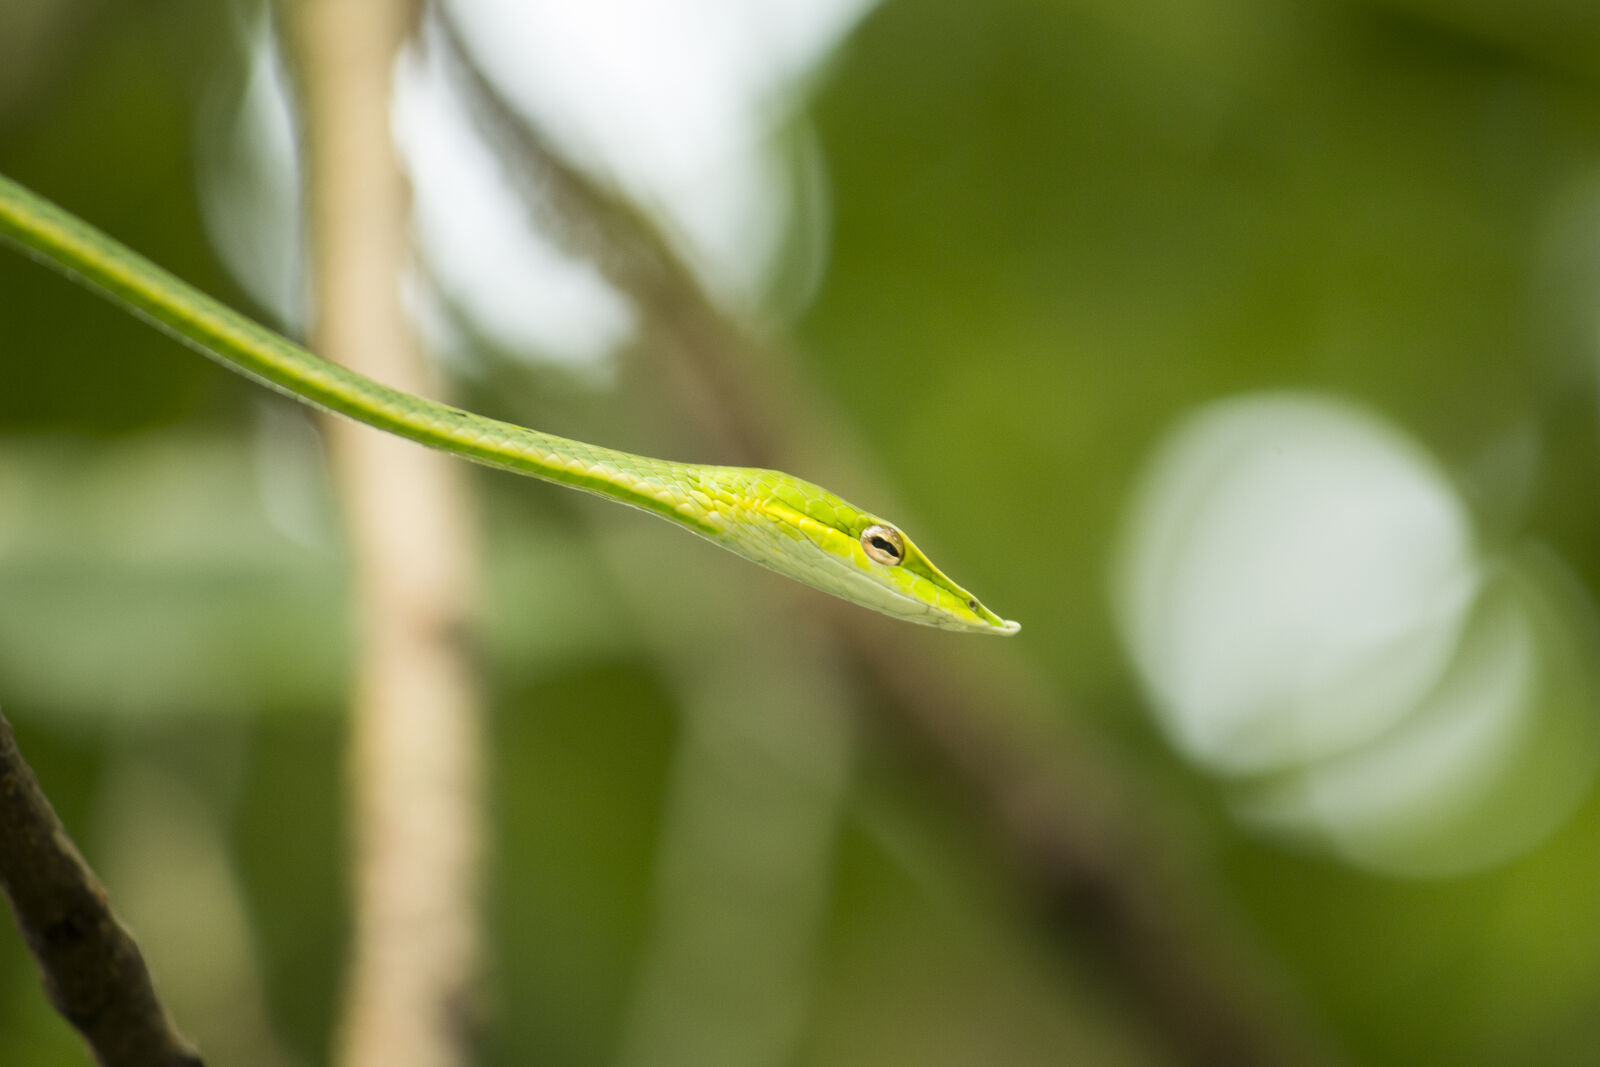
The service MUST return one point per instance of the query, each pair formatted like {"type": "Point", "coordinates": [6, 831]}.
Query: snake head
{"type": "Point", "coordinates": [803, 531]}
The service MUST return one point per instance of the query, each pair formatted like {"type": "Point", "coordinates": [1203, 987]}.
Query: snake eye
{"type": "Point", "coordinates": [884, 544]}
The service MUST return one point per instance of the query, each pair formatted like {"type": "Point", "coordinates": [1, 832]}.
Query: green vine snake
{"type": "Point", "coordinates": [794, 527]}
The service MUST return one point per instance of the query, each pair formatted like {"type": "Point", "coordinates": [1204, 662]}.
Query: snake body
{"type": "Point", "coordinates": [777, 520]}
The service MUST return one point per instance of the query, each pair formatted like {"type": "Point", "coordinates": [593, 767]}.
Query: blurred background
{"type": "Point", "coordinates": [1243, 350]}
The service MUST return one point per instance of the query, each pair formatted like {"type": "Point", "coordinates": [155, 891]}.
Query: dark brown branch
{"type": "Point", "coordinates": [1076, 840]}
{"type": "Point", "coordinates": [90, 966]}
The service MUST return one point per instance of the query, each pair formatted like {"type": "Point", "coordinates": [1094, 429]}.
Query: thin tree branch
{"type": "Point", "coordinates": [91, 967]}
{"type": "Point", "coordinates": [597, 221]}
{"type": "Point", "coordinates": [416, 733]}
{"type": "Point", "coordinates": [1076, 840]}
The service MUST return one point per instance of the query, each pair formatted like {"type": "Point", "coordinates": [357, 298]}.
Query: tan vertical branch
{"type": "Point", "coordinates": [415, 732]}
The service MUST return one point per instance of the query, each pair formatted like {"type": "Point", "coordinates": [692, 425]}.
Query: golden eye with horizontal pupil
{"type": "Point", "coordinates": [884, 544]}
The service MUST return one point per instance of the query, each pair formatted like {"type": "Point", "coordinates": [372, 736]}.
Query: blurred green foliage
{"type": "Point", "coordinates": [1056, 228]}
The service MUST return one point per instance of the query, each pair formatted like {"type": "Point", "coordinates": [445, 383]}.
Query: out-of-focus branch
{"type": "Point", "coordinates": [1075, 840]}
{"type": "Point", "coordinates": [1098, 868]}
{"type": "Point", "coordinates": [599, 222]}
{"type": "Point", "coordinates": [92, 970]}
{"type": "Point", "coordinates": [416, 730]}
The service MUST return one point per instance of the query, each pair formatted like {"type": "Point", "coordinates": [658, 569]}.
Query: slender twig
{"type": "Point", "coordinates": [416, 718]}
{"type": "Point", "coordinates": [1073, 838]}
{"type": "Point", "coordinates": [91, 967]}
{"type": "Point", "coordinates": [598, 221]}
